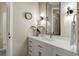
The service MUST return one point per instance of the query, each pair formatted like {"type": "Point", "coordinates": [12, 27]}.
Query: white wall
{"type": "Point", "coordinates": [21, 25]}
{"type": "Point", "coordinates": [66, 20]}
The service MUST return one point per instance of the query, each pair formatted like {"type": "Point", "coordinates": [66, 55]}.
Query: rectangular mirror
{"type": "Point", "coordinates": [53, 16]}
{"type": "Point", "coordinates": [50, 12]}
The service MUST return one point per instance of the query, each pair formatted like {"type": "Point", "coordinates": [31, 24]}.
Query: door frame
{"type": "Point", "coordinates": [53, 18]}
{"type": "Point", "coordinates": [9, 28]}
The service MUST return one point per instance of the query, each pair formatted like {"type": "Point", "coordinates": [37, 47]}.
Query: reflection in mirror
{"type": "Point", "coordinates": [49, 17]}
{"type": "Point", "coordinates": [42, 14]}
{"type": "Point", "coordinates": [57, 17]}
{"type": "Point", "coordinates": [53, 16]}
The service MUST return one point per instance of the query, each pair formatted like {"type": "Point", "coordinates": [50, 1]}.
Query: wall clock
{"type": "Point", "coordinates": [28, 15]}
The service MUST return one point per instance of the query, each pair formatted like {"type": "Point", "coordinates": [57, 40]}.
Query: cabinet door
{"type": "Point", "coordinates": [44, 49]}
{"type": "Point", "coordinates": [49, 50]}
{"type": "Point", "coordinates": [41, 49]}
{"type": "Point", "coordinates": [58, 52]}
{"type": "Point", "coordinates": [32, 47]}
{"type": "Point", "coordinates": [36, 49]}
{"type": "Point", "coordinates": [62, 52]}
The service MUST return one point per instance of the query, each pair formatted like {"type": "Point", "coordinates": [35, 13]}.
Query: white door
{"type": "Point", "coordinates": [5, 32]}
{"type": "Point", "coordinates": [56, 21]}
{"type": "Point", "coordinates": [9, 29]}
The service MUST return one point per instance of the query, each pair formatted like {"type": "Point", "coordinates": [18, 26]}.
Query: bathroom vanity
{"type": "Point", "coordinates": [59, 32]}
{"type": "Point", "coordinates": [45, 46]}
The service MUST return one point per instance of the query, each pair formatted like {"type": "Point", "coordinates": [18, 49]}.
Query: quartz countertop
{"type": "Point", "coordinates": [57, 41]}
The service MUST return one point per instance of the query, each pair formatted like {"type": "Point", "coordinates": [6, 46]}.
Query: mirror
{"type": "Point", "coordinates": [50, 17]}
{"type": "Point", "coordinates": [57, 18]}
{"type": "Point", "coordinates": [53, 16]}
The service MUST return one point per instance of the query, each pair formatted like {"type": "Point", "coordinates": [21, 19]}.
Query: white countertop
{"type": "Point", "coordinates": [56, 41]}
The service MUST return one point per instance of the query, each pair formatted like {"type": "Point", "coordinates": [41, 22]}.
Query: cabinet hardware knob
{"type": "Point", "coordinates": [39, 53]}
{"type": "Point", "coordinates": [57, 55]}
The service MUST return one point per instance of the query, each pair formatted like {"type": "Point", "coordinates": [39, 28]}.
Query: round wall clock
{"type": "Point", "coordinates": [28, 15]}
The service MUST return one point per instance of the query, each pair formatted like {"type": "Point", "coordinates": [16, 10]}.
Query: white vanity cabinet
{"type": "Point", "coordinates": [44, 48]}
{"type": "Point", "coordinates": [61, 52]}
{"type": "Point", "coordinates": [32, 48]}
{"type": "Point", "coordinates": [38, 48]}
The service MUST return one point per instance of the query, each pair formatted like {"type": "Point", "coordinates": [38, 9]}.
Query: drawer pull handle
{"type": "Point", "coordinates": [57, 55]}
{"type": "Point", "coordinates": [39, 53]}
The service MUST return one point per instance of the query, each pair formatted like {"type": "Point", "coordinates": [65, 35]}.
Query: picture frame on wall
{"type": "Point", "coordinates": [28, 16]}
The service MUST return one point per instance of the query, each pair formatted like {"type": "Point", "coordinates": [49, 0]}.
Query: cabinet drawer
{"type": "Point", "coordinates": [44, 49]}
{"type": "Point", "coordinates": [30, 52]}
{"type": "Point", "coordinates": [62, 52]}
{"type": "Point", "coordinates": [38, 48]}
{"type": "Point", "coordinates": [30, 43]}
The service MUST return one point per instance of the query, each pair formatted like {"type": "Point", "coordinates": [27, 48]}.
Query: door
{"type": "Point", "coordinates": [56, 22]}
{"type": "Point", "coordinates": [9, 28]}
{"type": "Point", "coordinates": [5, 27]}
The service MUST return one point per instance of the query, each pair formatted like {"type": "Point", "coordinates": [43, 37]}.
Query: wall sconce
{"type": "Point", "coordinates": [41, 18]}
{"type": "Point", "coordinates": [69, 11]}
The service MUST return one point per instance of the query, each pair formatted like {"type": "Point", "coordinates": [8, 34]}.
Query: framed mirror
{"type": "Point", "coordinates": [53, 15]}
{"type": "Point", "coordinates": [50, 11]}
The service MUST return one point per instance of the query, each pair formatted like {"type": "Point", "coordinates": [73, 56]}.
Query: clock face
{"type": "Point", "coordinates": [28, 15]}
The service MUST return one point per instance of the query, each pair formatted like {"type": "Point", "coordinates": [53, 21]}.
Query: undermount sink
{"type": "Point", "coordinates": [47, 37]}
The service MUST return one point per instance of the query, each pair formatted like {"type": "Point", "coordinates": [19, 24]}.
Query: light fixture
{"type": "Point", "coordinates": [69, 11]}
{"type": "Point", "coordinates": [41, 18]}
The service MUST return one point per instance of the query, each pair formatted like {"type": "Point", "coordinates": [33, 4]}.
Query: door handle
{"type": "Point", "coordinates": [9, 35]}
